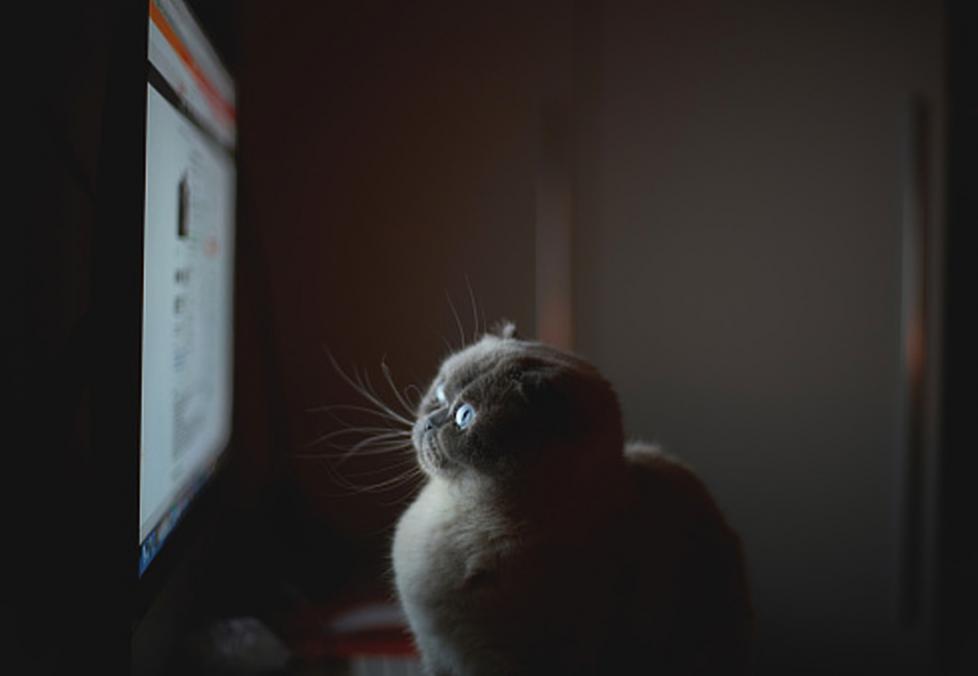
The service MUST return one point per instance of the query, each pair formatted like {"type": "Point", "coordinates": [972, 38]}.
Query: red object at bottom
{"type": "Point", "coordinates": [343, 631]}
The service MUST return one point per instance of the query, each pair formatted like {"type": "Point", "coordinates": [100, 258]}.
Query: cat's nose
{"type": "Point", "coordinates": [436, 419]}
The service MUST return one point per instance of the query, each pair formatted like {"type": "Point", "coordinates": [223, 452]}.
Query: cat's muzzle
{"type": "Point", "coordinates": [425, 439]}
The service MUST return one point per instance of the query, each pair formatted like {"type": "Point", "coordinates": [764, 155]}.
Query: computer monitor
{"type": "Point", "coordinates": [162, 298]}
{"type": "Point", "coordinates": [187, 271]}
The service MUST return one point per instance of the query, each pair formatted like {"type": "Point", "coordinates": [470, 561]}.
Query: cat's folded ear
{"type": "Point", "coordinates": [552, 394]}
{"type": "Point", "coordinates": [567, 399]}
{"type": "Point", "coordinates": [504, 328]}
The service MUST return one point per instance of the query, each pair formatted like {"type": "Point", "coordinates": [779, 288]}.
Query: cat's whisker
{"type": "Point", "coordinates": [475, 312]}
{"type": "Point", "coordinates": [458, 321]}
{"type": "Point", "coordinates": [375, 442]}
{"type": "Point", "coordinates": [371, 446]}
{"type": "Point", "coordinates": [370, 391]}
{"type": "Point", "coordinates": [409, 472]}
{"type": "Point", "coordinates": [383, 470]}
{"type": "Point", "coordinates": [378, 431]}
{"type": "Point", "coordinates": [390, 381]}
{"type": "Point", "coordinates": [353, 407]}
{"type": "Point", "coordinates": [369, 395]}
{"type": "Point", "coordinates": [341, 481]}
{"type": "Point", "coordinates": [363, 448]}
{"type": "Point", "coordinates": [391, 484]}
{"type": "Point", "coordinates": [407, 477]}
{"type": "Point", "coordinates": [394, 441]}
{"type": "Point", "coordinates": [418, 395]}
{"type": "Point", "coordinates": [368, 452]}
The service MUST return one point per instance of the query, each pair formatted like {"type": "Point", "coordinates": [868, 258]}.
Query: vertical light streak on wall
{"type": "Point", "coordinates": [554, 179]}
{"type": "Point", "coordinates": [914, 336]}
{"type": "Point", "coordinates": [554, 219]}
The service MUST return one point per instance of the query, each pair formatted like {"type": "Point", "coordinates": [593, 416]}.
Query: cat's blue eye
{"type": "Point", "coordinates": [464, 416]}
{"type": "Point", "coordinates": [440, 394]}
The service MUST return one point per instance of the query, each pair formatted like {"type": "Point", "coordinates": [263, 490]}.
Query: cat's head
{"type": "Point", "coordinates": [505, 408]}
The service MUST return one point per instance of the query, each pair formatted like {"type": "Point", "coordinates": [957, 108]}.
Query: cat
{"type": "Point", "coordinates": [542, 543]}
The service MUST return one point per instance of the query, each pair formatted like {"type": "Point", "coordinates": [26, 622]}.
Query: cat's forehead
{"type": "Point", "coordinates": [493, 353]}
{"type": "Point", "coordinates": [476, 358]}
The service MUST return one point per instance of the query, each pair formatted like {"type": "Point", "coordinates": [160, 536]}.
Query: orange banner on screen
{"type": "Point", "coordinates": [220, 106]}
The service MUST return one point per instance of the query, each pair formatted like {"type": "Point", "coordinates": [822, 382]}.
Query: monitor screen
{"type": "Point", "coordinates": [185, 420]}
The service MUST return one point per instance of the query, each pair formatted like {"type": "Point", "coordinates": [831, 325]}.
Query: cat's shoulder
{"type": "Point", "coordinates": [663, 480]}
{"type": "Point", "coordinates": [650, 462]}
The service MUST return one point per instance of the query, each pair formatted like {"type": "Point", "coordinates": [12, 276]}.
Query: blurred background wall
{"type": "Point", "coordinates": [737, 273]}
{"type": "Point", "coordinates": [388, 158]}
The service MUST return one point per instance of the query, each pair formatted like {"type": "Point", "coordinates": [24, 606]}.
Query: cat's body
{"type": "Point", "coordinates": [540, 546]}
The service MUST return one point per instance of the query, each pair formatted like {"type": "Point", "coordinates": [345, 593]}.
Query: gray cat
{"type": "Point", "coordinates": [543, 544]}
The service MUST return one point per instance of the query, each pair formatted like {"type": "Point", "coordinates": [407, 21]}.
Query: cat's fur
{"type": "Point", "coordinates": [543, 544]}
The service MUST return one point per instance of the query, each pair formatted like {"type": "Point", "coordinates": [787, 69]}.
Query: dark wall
{"type": "Point", "coordinates": [387, 161]}
{"type": "Point", "coordinates": [958, 586]}
{"type": "Point", "coordinates": [738, 267]}
{"type": "Point", "coordinates": [53, 133]}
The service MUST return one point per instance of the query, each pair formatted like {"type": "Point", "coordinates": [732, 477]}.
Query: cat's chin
{"type": "Point", "coordinates": [429, 457]}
